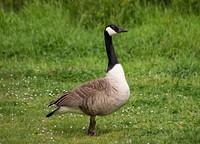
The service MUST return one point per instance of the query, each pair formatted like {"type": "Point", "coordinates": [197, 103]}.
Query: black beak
{"type": "Point", "coordinates": [121, 30]}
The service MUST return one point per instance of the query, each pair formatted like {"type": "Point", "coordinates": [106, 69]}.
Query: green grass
{"type": "Point", "coordinates": [43, 53]}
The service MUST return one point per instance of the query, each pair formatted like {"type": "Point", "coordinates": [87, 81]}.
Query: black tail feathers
{"type": "Point", "coordinates": [51, 113]}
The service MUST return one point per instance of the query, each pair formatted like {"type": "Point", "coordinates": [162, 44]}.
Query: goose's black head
{"type": "Point", "coordinates": [113, 29]}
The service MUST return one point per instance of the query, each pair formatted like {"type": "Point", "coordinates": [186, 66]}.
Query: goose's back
{"type": "Point", "coordinates": [78, 96]}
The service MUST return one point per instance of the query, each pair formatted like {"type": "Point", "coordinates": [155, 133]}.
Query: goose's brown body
{"type": "Point", "coordinates": [98, 97]}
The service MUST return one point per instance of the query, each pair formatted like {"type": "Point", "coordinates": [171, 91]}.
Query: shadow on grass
{"type": "Point", "coordinates": [75, 128]}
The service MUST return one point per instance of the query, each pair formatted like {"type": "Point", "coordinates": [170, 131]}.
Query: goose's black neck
{"type": "Point", "coordinates": [112, 59]}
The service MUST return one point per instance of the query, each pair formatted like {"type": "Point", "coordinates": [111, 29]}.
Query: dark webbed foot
{"type": "Point", "coordinates": [91, 130]}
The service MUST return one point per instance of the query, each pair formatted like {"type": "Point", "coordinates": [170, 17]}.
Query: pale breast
{"type": "Point", "coordinates": [117, 80]}
{"type": "Point", "coordinates": [115, 95]}
{"type": "Point", "coordinates": [120, 89]}
{"type": "Point", "coordinates": [106, 95]}
{"type": "Point", "coordinates": [106, 103]}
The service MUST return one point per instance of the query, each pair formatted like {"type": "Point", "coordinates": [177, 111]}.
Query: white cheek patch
{"type": "Point", "coordinates": [110, 31]}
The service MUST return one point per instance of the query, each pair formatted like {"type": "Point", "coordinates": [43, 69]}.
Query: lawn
{"type": "Point", "coordinates": [43, 53]}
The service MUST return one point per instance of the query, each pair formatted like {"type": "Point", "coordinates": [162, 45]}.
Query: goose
{"type": "Point", "coordinates": [99, 97]}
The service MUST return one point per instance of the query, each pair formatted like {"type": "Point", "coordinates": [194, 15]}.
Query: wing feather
{"type": "Point", "coordinates": [76, 97]}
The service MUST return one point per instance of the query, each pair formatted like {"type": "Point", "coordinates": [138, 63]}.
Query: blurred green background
{"type": "Point", "coordinates": [49, 47]}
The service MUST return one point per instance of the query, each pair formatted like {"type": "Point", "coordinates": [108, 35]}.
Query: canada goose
{"type": "Point", "coordinates": [102, 96]}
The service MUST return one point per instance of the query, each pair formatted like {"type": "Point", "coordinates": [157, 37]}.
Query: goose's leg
{"type": "Point", "coordinates": [91, 130]}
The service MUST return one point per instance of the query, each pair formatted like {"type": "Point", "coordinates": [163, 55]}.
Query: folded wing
{"type": "Point", "coordinates": [76, 97]}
